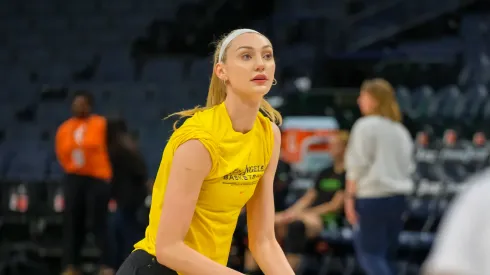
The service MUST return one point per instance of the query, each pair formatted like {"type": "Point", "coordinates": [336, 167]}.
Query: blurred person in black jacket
{"type": "Point", "coordinates": [129, 191]}
{"type": "Point", "coordinates": [318, 209]}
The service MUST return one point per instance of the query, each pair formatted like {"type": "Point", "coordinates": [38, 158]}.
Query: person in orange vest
{"type": "Point", "coordinates": [81, 149]}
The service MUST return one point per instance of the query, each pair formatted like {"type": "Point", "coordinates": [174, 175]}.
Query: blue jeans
{"type": "Point", "coordinates": [376, 235]}
{"type": "Point", "coordinates": [124, 231]}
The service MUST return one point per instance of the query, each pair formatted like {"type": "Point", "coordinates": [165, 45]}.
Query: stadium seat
{"type": "Point", "coordinates": [117, 7]}
{"type": "Point", "coordinates": [105, 38]}
{"type": "Point", "coordinates": [28, 165]}
{"type": "Point", "coordinates": [404, 97]}
{"type": "Point", "coordinates": [133, 23]}
{"type": "Point", "coordinates": [87, 8]}
{"type": "Point", "coordinates": [38, 8]}
{"type": "Point", "coordinates": [17, 75]}
{"type": "Point", "coordinates": [446, 100]}
{"type": "Point", "coordinates": [52, 24]}
{"type": "Point", "coordinates": [51, 114]}
{"type": "Point", "coordinates": [200, 73]}
{"type": "Point", "coordinates": [472, 104]}
{"type": "Point", "coordinates": [14, 26]}
{"type": "Point", "coordinates": [115, 66]}
{"type": "Point", "coordinates": [421, 100]}
{"type": "Point", "coordinates": [304, 58]}
{"type": "Point", "coordinates": [164, 71]}
{"type": "Point", "coordinates": [55, 172]}
{"type": "Point", "coordinates": [95, 22]}
{"type": "Point", "coordinates": [5, 160]}
{"type": "Point", "coordinates": [56, 72]}
{"type": "Point", "coordinates": [7, 113]}
{"type": "Point", "coordinates": [35, 58]}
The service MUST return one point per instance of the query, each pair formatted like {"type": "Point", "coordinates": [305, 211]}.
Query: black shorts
{"type": "Point", "coordinates": [141, 263]}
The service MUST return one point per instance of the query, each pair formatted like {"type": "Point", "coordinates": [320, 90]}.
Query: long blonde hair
{"type": "Point", "coordinates": [384, 94]}
{"type": "Point", "coordinates": [217, 93]}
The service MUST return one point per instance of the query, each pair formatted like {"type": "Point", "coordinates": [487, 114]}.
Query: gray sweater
{"type": "Point", "coordinates": [379, 158]}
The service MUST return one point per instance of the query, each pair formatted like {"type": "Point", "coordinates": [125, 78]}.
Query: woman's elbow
{"type": "Point", "coordinates": [265, 239]}
{"type": "Point", "coordinates": [253, 246]}
{"type": "Point", "coordinates": [162, 254]}
{"type": "Point", "coordinates": [165, 252]}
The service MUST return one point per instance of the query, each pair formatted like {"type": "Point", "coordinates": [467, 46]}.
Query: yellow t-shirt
{"type": "Point", "coordinates": [239, 161]}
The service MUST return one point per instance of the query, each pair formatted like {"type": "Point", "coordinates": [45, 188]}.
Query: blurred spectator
{"type": "Point", "coordinates": [426, 156]}
{"type": "Point", "coordinates": [379, 167]}
{"type": "Point", "coordinates": [461, 246]}
{"type": "Point", "coordinates": [318, 207]}
{"type": "Point", "coordinates": [480, 154]}
{"type": "Point", "coordinates": [128, 189]}
{"type": "Point", "coordinates": [450, 137]}
{"type": "Point", "coordinates": [453, 155]}
{"type": "Point", "coordinates": [479, 139]}
{"type": "Point", "coordinates": [422, 139]}
{"type": "Point", "coordinates": [81, 149]}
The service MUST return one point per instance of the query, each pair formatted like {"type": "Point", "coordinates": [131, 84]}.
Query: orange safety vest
{"type": "Point", "coordinates": [81, 147]}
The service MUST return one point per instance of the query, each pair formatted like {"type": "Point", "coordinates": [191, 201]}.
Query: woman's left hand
{"type": "Point", "coordinates": [350, 211]}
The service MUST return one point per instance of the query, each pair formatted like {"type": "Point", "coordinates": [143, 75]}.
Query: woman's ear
{"type": "Point", "coordinates": [220, 71]}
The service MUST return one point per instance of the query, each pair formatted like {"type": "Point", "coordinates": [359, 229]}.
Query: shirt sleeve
{"type": "Point", "coordinates": [460, 247]}
{"type": "Point", "coordinates": [360, 150]}
{"type": "Point", "coordinates": [192, 131]}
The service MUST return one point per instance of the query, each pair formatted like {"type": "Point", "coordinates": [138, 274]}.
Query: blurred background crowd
{"type": "Point", "coordinates": [134, 62]}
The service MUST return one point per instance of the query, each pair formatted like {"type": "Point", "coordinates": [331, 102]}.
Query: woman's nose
{"type": "Point", "coordinates": [259, 64]}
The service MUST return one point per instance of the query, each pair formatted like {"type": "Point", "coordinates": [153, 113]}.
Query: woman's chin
{"type": "Point", "coordinates": [261, 89]}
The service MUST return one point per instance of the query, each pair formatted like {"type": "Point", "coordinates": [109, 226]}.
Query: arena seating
{"type": "Point", "coordinates": [49, 49]}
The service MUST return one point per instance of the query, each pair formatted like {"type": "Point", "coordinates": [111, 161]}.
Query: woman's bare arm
{"type": "Point", "coordinates": [332, 206]}
{"type": "Point", "coordinates": [260, 220]}
{"type": "Point", "coordinates": [304, 202]}
{"type": "Point", "coordinates": [190, 166]}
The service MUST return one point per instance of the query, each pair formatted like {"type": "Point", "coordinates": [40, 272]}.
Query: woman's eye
{"type": "Point", "coordinates": [246, 57]}
{"type": "Point", "coordinates": [268, 56]}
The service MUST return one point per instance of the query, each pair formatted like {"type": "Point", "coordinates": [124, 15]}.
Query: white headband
{"type": "Point", "coordinates": [234, 34]}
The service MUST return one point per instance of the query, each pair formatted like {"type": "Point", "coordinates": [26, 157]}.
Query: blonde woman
{"type": "Point", "coordinates": [379, 167]}
{"type": "Point", "coordinates": [222, 158]}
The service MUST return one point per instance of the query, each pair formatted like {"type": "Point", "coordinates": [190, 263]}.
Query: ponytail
{"type": "Point", "coordinates": [216, 92]}
{"type": "Point", "coordinates": [270, 112]}
{"type": "Point", "coordinates": [396, 115]}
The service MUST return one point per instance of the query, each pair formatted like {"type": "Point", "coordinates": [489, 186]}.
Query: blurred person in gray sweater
{"type": "Point", "coordinates": [379, 165]}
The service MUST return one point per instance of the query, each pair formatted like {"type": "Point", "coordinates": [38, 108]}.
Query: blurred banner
{"type": "Point", "coordinates": [305, 142]}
